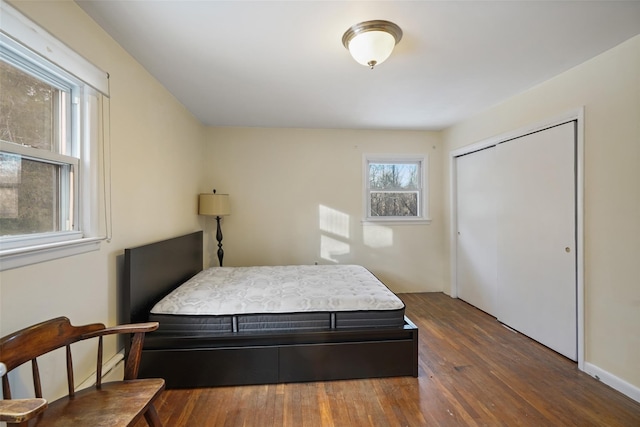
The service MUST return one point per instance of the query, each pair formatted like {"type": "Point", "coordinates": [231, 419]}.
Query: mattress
{"type": "Point", "coordinates": [223, 300]}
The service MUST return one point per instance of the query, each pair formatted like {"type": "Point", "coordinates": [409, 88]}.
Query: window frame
{"type": "Point", "coordinates": [423, 193]}
{"type": "Point", "coordinates": [25, 45]}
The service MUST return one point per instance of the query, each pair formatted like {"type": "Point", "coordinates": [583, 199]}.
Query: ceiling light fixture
{"type": "Point", "coordinates": [371, 42]}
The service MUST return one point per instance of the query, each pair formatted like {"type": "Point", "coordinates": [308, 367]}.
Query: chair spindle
{"type": "Point", "coordinates": [99, 367]}
{"type": "Point", "coordinates": [37, 385]}
{"type": "Point", "coordinates": [70, 383]}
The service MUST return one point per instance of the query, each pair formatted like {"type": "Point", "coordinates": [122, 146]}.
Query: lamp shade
{"type": "Point", "coordinates": [370, 43]}
{"type": "Point", "coordinates": [214, 204]}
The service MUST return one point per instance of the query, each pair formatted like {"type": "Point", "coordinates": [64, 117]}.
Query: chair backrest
{"type": "Point", "coordinates": [30, 343]}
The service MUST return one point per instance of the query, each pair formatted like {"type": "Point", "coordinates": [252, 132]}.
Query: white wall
{"type": "Point", "coordinates": [296, 198]}
{"type": "Point", "coordinates": [156, 151]}
{"type": "Point", "coordinates": [608, 87]}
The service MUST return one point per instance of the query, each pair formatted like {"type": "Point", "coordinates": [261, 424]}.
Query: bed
{"type": "Point", "coordinates": [281, 329]}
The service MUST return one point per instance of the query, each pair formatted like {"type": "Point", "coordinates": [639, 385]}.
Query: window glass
{"type": "Point", "coordinates": [394, 189]}
{"type": "Point", "coordinates": [31, 197]}
{"type": "Point", "coordinates": [27, 106]}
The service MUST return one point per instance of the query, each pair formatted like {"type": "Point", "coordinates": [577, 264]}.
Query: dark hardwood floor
{"type": "Point", "coordinates": [472, 372]}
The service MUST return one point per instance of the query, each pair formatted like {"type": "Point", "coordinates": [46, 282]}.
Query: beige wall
{"type": "Point", "coordinates": [156, 151]}
{"type": "Point", "coordinates": [296, 198]}
{"type": "Point", "coordinates": [608, 87]}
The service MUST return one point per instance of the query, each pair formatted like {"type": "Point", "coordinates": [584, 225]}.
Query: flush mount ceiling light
{"type": "Point", "coordinates": [371, 42]}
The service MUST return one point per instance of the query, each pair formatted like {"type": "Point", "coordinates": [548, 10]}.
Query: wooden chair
{"type": "Point", "coordinates": [119, 403]}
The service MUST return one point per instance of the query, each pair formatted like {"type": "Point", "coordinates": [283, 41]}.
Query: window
{"type": "Point", "coordinates": [37, 168]}
{"type": "Point", "coordinates": [49, 125]}
{"type": "Point", "coordinates": [395, 188]}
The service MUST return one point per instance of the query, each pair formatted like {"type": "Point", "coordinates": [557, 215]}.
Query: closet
{"type": "Point", "coordinates": [516, 234]}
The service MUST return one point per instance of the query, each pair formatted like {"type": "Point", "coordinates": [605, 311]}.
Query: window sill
{"type": "Point", "coordinates": [395, 221]}
{"type": "Point", "coordinates": [20, 257]}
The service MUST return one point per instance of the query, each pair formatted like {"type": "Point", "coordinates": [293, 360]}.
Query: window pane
{"type": "Point", "coordinates": [30, 196]}
{"type": "Point", "coordinates": [394, 176]}
{"type": "Point", "coordinates": [394, 204]}
{"type": "Point", "coordinates": [27, 109]}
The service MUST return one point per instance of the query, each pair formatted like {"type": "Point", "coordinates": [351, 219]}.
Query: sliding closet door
{"type": "Point", "coordinates": [536, 239]}
{"type": "Point", "coordinates": [476, 276]}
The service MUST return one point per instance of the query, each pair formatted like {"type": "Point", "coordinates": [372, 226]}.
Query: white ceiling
{"type": "Point", "coordinates": [282, 63]}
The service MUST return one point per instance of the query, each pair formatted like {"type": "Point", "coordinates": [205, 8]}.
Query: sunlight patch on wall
{"type": "Point", "coordinates": [334, 233]}
{"type": "Point", "coordinates": [331, 249]}
{"type": "Point", "coordinates": [334, 222]}
{"type": "Point", "coordinates": [377, 236]}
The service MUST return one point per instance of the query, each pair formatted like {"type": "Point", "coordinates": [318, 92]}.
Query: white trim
{"type": "Point", "coordinates": [38, 154]}
{"type": "Point", "coordinates": [21, 243]}
{"type": "Point", "coordinates": [393, 221]}
{"type": "Point", "coordinates": [88, 210]}
{"type": "Point", "coordinates": [13, 258]}
{"type": "Point", "coordinates": [611, 380]}
{"type": "Point", "coordinates": [577, 115]}
{"type": "Point", "coordinates": [453, 224]}
{"type": "Point", "coordinates": [28, 33]}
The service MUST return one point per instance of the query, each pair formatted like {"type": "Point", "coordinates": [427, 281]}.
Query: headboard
{"type": "Point", "coordinates": [153, 270]}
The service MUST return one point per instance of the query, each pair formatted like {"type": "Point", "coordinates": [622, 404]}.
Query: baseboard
{"type": "Point", "coordinates": [112, 370]}
{"type": "Point", "coordinates": [612, 381]}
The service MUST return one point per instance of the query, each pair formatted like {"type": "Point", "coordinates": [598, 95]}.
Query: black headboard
{"type": "Point", "coordinates": [153, 270]}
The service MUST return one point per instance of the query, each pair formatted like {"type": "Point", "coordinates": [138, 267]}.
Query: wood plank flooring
{"type": "Point", "coordinates": [472, 372]}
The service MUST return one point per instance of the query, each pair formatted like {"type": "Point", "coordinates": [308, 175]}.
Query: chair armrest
{"type": "Point", "coordinates": [21, 410]}
{"type": "Point", "coordinates": [124, 329]}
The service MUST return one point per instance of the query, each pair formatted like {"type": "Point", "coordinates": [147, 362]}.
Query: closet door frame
{"type": "Point", "coordinates": [578, 116]}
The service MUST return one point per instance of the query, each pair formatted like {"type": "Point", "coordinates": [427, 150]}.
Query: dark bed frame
{"type": "Point", "coordinates": [152, 271]}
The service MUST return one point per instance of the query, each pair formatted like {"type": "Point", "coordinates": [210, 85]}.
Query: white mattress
{"type": "Point", "coordinates": [279, 289]}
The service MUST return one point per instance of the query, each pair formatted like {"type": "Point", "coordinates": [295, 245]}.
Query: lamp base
{"type": "Point", "coordinates": [219, 239]}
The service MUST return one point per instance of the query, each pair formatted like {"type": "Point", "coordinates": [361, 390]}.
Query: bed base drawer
{"type": "Point", "coordinates": [211, 367]}
{"type": "Point", "coordinates": [283, 363]}
{"type": "Point", "coordinates": [346, 361]}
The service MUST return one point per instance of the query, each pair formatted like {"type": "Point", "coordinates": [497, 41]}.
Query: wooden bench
{"type": "Point", "coordinates": [119, 403]}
